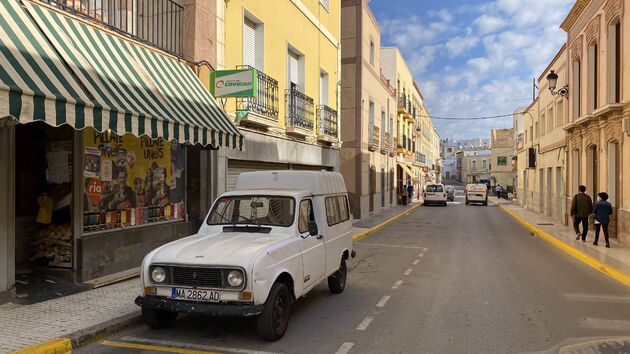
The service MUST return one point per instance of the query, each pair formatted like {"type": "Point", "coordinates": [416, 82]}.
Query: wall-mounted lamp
{"type": "Point", "coordinates": [552, 77]}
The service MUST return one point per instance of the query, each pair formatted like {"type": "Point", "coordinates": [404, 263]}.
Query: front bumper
{"type": "Point", "coordinates": [204, 308]}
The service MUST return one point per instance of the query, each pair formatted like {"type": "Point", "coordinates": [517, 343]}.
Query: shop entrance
{"type": "Point", "coordinates": [44, 241]}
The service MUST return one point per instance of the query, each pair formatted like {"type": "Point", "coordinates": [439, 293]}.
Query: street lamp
{"type": "Point", "coordinates": [552, 77]}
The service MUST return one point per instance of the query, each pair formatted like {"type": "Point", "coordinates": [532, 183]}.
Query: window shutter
{"type": "Point", "coordinates": [249, 43]}
{"type": "Point", "coordinates": [293, 68]}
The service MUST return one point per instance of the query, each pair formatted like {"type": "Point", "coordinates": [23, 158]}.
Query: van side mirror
{"type": "Point", "coordinates": [312, 228]}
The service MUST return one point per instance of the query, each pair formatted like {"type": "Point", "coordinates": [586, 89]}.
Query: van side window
{"type": "Point", "coordinates": [337, 209]}
{"type": "Point", "coordinates": [306, 215]}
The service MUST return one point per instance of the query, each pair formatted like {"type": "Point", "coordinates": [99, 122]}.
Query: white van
{"type": "Point", "coordinates": [435, 194]}
{"type": "Point", "coordinates": [261, 247]}
{"type": "Point", "coordinates": [476, 193]}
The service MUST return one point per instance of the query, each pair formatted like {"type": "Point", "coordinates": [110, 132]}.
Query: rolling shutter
{"type": "Point", "coordinates": [249, 43]}
{"type": "Point", "coordinates": [293, 68]}
{"type": "Point", "coordinates": [236, 167]}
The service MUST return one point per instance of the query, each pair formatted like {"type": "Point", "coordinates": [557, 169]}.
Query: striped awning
{"type": "Point", "coordinates": [131, 88]}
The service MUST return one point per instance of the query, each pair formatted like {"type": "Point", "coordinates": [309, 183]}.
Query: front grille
{"type": "Point", "coordinates": [196, 277]}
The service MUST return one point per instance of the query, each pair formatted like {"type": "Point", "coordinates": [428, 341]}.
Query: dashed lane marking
{"type": "Point", "coordinates": [425, 249]}
{"type": "Point", "coordinates": [421, 255]}
{"type": "Point", "coordinates": [345, 348]}
{"type": "Point", "coordinates": [408, 271]}
{"type": "Point", "coordinates": [397, 284]}
{"type": "Point", "coordinates": [415, 262]}
{"type": "Point", "coordinates": [598, 298]}
{"type": "Point", "coordinates": [365, 323]}
{"type": "Point", "coordinates": [383, 301]}
{"type": "Point", "coordinates": [606, 324]}
{"type": "Point", "coordinates": [187, 346]}
{"type": "Point", "coordinates": [386, 245]}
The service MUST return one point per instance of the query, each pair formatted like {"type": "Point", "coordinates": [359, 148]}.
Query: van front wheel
{"type": "Point", "coordinates": [158, 319]}
{"type": "Point", "coordinates": [337, 281]}
{"type": "Point", "coordinates": [273, 321]}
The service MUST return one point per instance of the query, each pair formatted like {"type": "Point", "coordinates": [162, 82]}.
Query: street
{"type": "Point", "coordinates": [460, 279]}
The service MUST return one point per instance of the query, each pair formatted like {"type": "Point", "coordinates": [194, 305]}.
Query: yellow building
{"type": "Point", "coordinates": [292, 122]}
{"type": "Point", "coordinates": [598, 126]}
{"type": "Point", "coordinates": [368, 110]}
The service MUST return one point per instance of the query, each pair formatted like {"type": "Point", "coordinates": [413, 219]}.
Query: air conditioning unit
{"type": "Point", "coordinates": [531, 161]}
{"type": "Point", "coordinates": [626, 125]}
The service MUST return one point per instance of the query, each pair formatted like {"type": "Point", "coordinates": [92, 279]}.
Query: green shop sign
{"type": "Point", "coordinates": [233, 83]}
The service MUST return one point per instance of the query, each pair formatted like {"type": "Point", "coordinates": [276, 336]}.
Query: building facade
{"type": "Point", "coordinates": [502, 154]}
{"type": "Point", "coordinates": [448, 152]}
{"type": "Point", "coordinates": [475, 166]}
{"type": "Point", "coordinates": [598, 127]}
{"type": "Point", "coordinates": [368, 111]}
{"type": "Point", "coordinates": [542, 152]}
{"type": "Point", "coordinates": [292, 121]}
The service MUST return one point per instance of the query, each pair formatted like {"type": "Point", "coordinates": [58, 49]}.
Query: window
{"type": "Point", "coordinates": [253, 43]}
{"type": "Point", "coordinates": [502, 161]}
{"type": "Point", "coordinates": [306, 215]}
{"type": "Point", "coordinates": [371, 117]}
{"type": "Point", "coordinates": [484, 164]}
{"type": "Point", "coordinates": [474, 165]}
{"type": "Point", "coordinates": [537, 130]}
{"type": "Point", "coordinates": [576, 89]}
{"type": "Point", "coordinates": [614, 62]}
{"type": "Point", "coordinates": [295, 70]}
{"type": "Point", "coordinates": [325, 4]}
{"type": "Point", "coordinates": [336, 209]}
{"type": "Point", "coordinates": [371, 52]}
{"type": "Point", "coordinates": [550, 120]}
{"type": "Point", "coordinates": [323, 87]}
{"type": "Point", "coordinates": [541, 132]}
{"type": "Point", "coordinates": [383, 127]}
{"type": "Point", "coordinates": [560, 113]}
{"type": "Point", "coordinates": [593, 80]}
{"type": "Point", "coordinates": [531, 134]}
{"type": "Point", "coordinates": [253, 210]}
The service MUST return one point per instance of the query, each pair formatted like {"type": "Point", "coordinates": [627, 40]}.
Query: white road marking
{"type": "Point", "coordinates": [605, 323]}
{"type": "Point", "coordinates": [345, 348]}
{"type": "Point", "coordinates": [386, 245]}
{"type": "Point", "coordinates": [365, 323]}
{"type": "Point", "coordinates": [421, 255]}
{"type": "Point", "coordinates": [415, 262]}
{"type": "Point", "coordinates": [397, 284]}
{"type": "Point", "coordinates": [425, 249]}
{"type": "Point", "coordinates": [598, 298]}
{"type": "Point", "coordinates": [455, 203]}
{"type": "Point", "coordinates": [168, 343]}
{"type": "Point", "coordinates": [383, 301]}
{"type": "Point", "coordinates": [408, 271]}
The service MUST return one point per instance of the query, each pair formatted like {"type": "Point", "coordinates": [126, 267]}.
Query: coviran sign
{"type": "Point", "coordinates": [233, 83]}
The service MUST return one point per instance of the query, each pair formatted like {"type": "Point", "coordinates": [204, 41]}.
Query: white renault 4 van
{"type": "Point", "coordinates": [262, 246]}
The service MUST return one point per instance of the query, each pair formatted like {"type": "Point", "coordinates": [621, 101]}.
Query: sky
{"type": "Point", "coordinates": [473, 58]}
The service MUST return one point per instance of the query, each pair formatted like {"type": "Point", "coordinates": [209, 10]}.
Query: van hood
{"type": "Point", "coordinates": [229, 249]}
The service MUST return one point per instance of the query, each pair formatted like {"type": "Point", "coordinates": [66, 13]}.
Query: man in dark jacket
{"type": "Point", "coordinates": [581, 208]}
{"type": "Point", "coordinates": [603, 210]}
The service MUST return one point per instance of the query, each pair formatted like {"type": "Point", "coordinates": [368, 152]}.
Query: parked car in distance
{"type": "Point", "coordinates": [450, 193]}
{"type": "Point", "coordinates": [262, 246]}
{"type": "Point", "coordinates": [435, 194]}
{"type": "Point", "coordinates": [476, 193]}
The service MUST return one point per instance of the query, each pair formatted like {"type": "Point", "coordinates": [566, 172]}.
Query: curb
{"type": "Point", "coordinates": [570, 250]}
{"type": "Point", "coordinates": [364, 234]}
{"type": "Point", "coordinates": [87, 335]}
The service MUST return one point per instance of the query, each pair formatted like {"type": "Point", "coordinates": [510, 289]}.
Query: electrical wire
{"type": "Point", "coordinates": [467, 118]}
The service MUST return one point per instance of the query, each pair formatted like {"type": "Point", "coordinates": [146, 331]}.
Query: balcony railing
{"type": "Point", "coordinates": [374, 137]}
{"type": "Point", "coordinates": [398, 142]}
{"type": "Point", "coordinates": [300, 110]}
{"type": "Point", "coordinates": [327, 122]}
{"type": "Point", "coordinates": [421, 158]}
{"type": "Point", "coordinates": [265, 103]}
{"type": "Point", "coordinates": [392, 147]}
{"type": "Point", "coordinates": [154, 22]}
{"type": "Point", "coordinates": [385, 144]}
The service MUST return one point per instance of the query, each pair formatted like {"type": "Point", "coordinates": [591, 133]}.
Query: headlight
{"type": "Point", "coordinates": [158, 274]}
{"type": "Point", "coordinates": [235, 278]}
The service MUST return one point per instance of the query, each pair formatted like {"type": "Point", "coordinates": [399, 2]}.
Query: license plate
{"type": "Point", "coordinates": [195, 295]}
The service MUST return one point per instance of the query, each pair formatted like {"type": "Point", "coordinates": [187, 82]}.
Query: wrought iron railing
{"type": "Point", "coordinates": [402, 101]}
{"type": "Point", "coordinates": [327, 121]}
{"type": "Point", "coordinates": [300, 109]}
{"type": "Point", "coordinates": [267, 97]}
{"type": "Point", "coordinates": [373, 138]}
{"type": "Point", "coordinates": [421, 157]}
{"type": "Point", "coordinates": [154, 22]}
{"type": "Point", "coordinates": [385, 144]}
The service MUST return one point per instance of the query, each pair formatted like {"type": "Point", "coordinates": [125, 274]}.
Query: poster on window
{"type": "Point", "coordinates": [131, 181]}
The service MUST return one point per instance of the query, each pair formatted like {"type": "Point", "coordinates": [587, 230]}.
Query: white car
{"type": "Point", "coordinates": [476, 193]}
{"type": "Point", "coordinates": [435, 194]}
{"type": "Point", "coordinates": [261, 247]}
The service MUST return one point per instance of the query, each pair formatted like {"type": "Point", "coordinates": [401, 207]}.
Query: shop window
{"type": "Point", "coordinates": [131, 181]}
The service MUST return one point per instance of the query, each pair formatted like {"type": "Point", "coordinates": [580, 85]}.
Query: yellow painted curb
{"type": "Point", "coordinates": [573, 252]}
{"type": "Point", "coordinates": [364, 234]}
{"type": "Point", "coordinates": [53, 346]}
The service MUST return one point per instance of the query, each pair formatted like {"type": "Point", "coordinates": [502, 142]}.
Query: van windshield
{"type": "Point", "coordinates": [435, 188]}
{"type": "Point", "coordinates": [253, 210]}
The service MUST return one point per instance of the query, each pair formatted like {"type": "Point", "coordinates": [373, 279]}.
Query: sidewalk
{"type": "Point", "coordinates": [84, 316]}
{"type": "Point", "coordinates": [607, 260]}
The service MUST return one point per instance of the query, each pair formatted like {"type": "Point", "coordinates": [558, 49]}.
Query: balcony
{"type": "Point", "coordinates": [385, 144]}
{"type": "Point", "coordinates": [374, 136]}
{"type": "Point", "coordinates": [262, 109]}
{"type": "Point", "coordinates": [392, 146]}
{"type": "Point", "coordinates": [299, 113]}
{"type": "Point", "coordinates": [420, 157]}
{"type": "Point", "coordinates": [157, 23]}
{"type": "Point", "coordinates": [327, 124]}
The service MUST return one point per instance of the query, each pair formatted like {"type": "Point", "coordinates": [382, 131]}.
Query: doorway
{"type": "Point", "coordinates": [592, 163]}
{"type": "Point", "coordinates": [541, 191]}
{"type": "Point", "coordinates": [559, 196]}
{"type": "Point", "coordinates": [613, 184]}
{"type": "Point", "coordinates": [549, 193]}
{"type": "Point", "coordinates": [525, 189]}
{"type": "Point", "coordinates": [382, 187]}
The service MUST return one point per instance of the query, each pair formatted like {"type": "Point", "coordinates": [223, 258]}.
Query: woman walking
{"type": "Point", "coordinates": [602, 210]}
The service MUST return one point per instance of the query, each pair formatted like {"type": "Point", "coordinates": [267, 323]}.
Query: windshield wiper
{"type": "Point", "coordinates": [250, 221]}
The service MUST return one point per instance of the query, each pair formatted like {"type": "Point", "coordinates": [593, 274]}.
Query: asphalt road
{"type": "Point", "coordinates": [460, 279]}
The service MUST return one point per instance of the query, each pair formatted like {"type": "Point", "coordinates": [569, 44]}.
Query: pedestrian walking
{"type": "Point", "coordinates": [581, 208]}
{"type": "Point", "coordinates": [498, 189]}
{"type": "Point", "coordinates": [410, 191]}
{"type": "Point", "coordinates": [603, 210]}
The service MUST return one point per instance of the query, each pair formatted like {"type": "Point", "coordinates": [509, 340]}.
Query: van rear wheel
{"type": "Point", "coordinates": [337, 281]}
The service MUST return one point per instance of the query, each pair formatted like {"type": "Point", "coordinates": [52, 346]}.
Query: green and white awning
{"type": "Point", "coordinates": [124, 86]}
